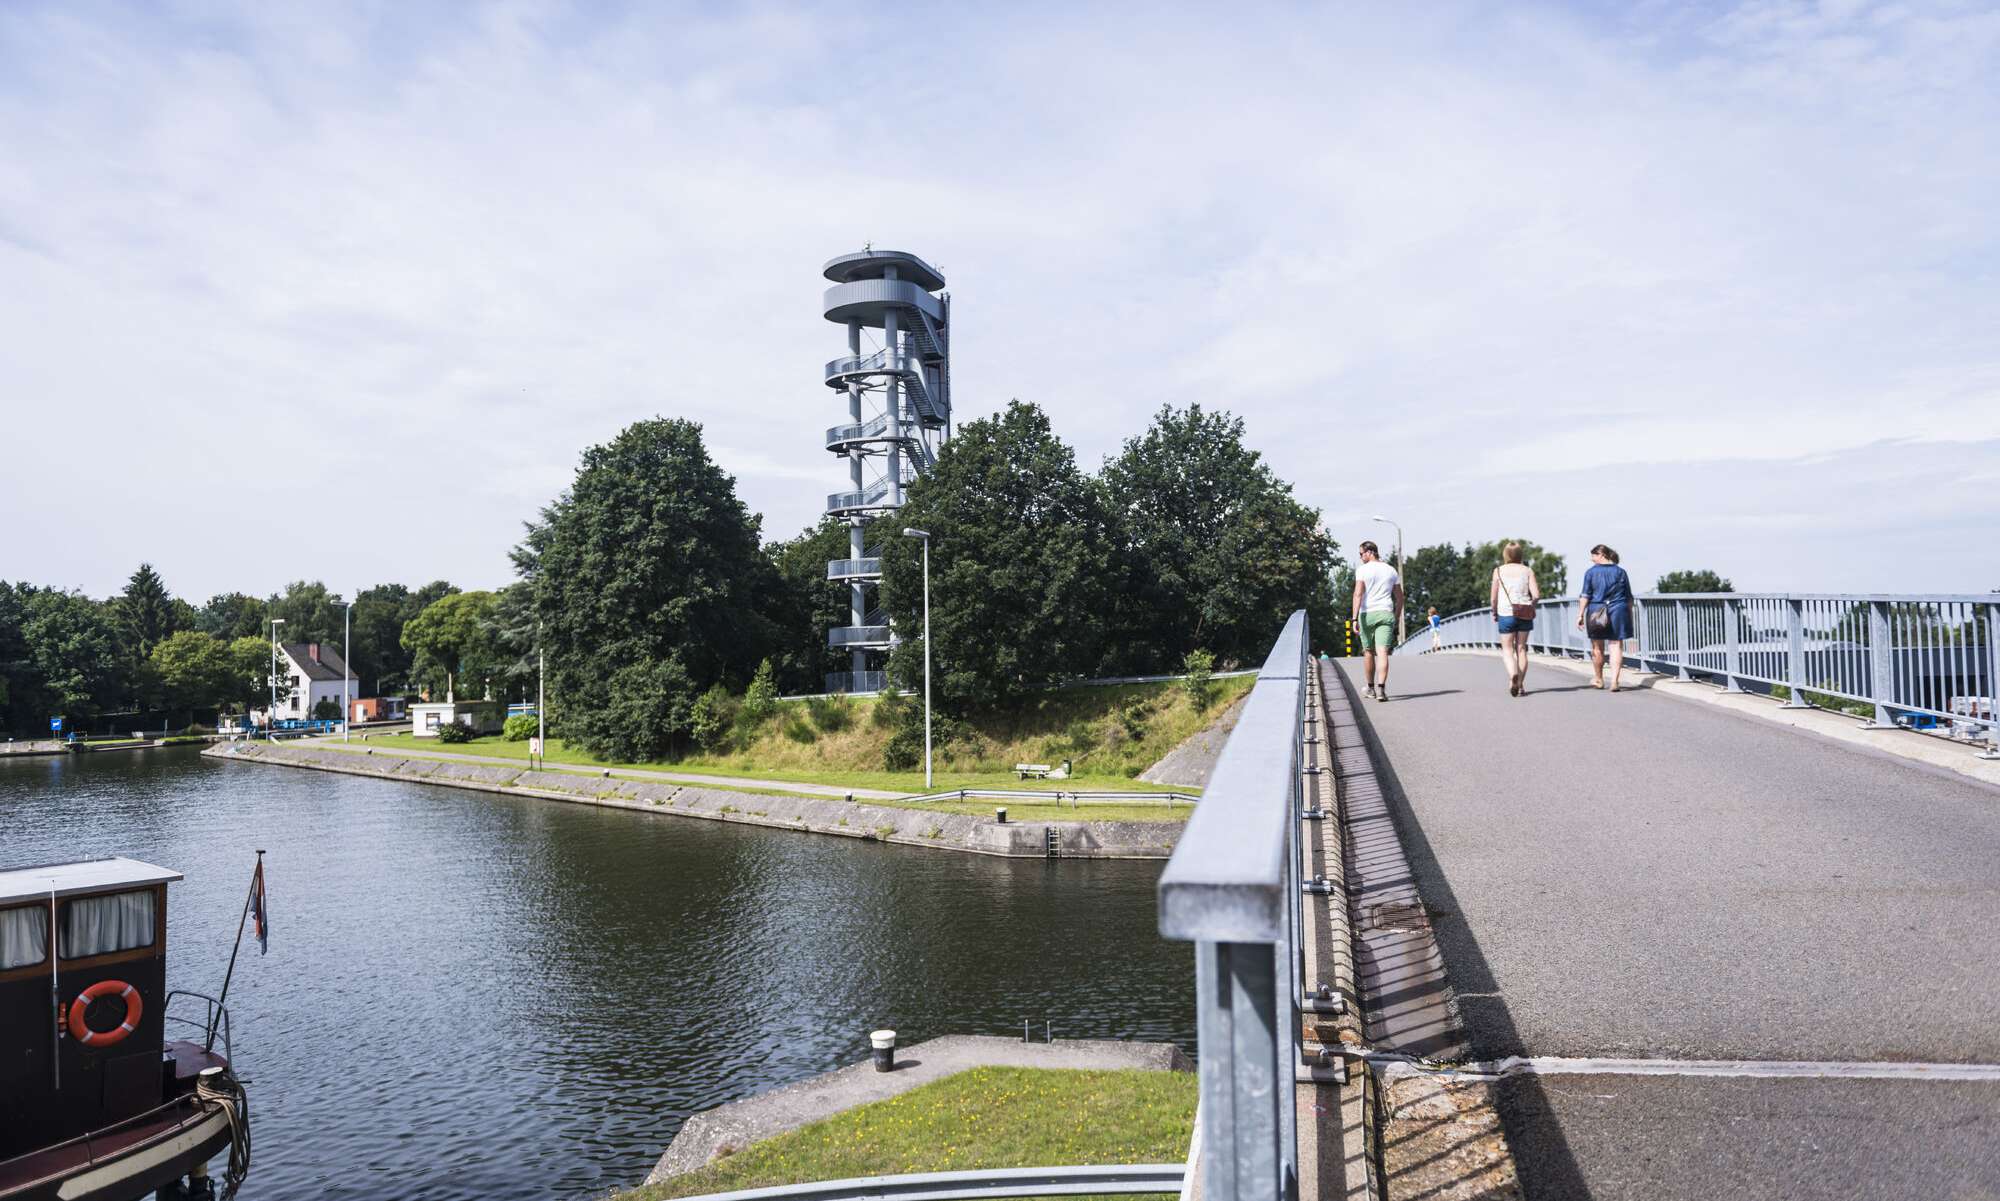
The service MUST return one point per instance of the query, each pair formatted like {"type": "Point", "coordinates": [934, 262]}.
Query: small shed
{"type": "Point", "coordinates": [481, 717]}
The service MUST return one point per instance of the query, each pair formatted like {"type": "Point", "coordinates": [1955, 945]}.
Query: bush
{"type": "Point", "coordinates": [761, 700]}
{"type": "Point", "coordinates": [648, 709]}
{"type": "Point", "coordinates": [452, 732]}
{"type": "Point", "coordinates": [799, 730]}
{"type": "Point", "coordinates": [1132, 718]}
{"type": "Point", "coordinates": [831, 714]}
{"type": "Point", "coordinates": [713, 715]}
{"type": "Point", "coordinates": [520, 727]}
{"type": "Point", "coordinates": [889, 709]}
{"type": "Point", "coordinates": [327, 709]}
{"type": "Point", "coordinates": [1197, 670]}
{"type": "Point", "coordinates": [905, 749]}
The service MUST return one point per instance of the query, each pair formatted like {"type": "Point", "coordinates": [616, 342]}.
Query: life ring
{"type": "Point", "coordinates": [81, 1031]}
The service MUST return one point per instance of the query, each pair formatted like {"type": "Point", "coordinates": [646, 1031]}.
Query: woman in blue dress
{"type": "Point", "coordinates": [1604, 612]}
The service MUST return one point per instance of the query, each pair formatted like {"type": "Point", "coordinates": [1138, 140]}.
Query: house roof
{"type": "Point", "coordinates": [70, 879]}
{"type": "Point", "coordinates": [329, 666]}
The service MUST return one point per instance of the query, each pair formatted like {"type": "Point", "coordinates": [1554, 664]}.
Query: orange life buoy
{"type": "Point", "coordinates": [82, 1032]}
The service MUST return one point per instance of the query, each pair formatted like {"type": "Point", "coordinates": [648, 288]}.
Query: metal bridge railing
{"type": "Point", "coordinates": [1233, 889]}
{"type": "Point", "coordinates": [1923, 661]}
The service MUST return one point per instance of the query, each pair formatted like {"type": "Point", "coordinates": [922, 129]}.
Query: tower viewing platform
{"type": "Point", "coordinates": [897, 384]}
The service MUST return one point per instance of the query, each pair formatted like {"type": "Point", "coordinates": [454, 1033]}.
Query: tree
{"type": "Point", "coordinates": [311, 612]}
{"type": "Point", "coordinates": [194, 671]}
{"type": "Point", "coordinates": [1702, 580]}
{"type": "Point", "coordinates": [147, 612]}
{"type": "Point", "coordinates": [646, 573]}
{"type": "Point", "coordinates": [233, 615]}
{"type": "Point", "coordinates": [1457, 579]}
{"type": "Point", "coordinates": [451, 640]}
{"type": "Point", "coordinates": [1217, 553]}
{"type": "Point", "coordinates": [73, 648]}
{"type": "Point", "coordinates": [804, 604]}
{"type": "Point", "coordinates": [380, 613]}
{"type": "Point", "coordinates": [1021, 566]}
{"type": "Point", "coordinates": [510, 633]}
{"type": "Point", "coordinates": [250, 674]}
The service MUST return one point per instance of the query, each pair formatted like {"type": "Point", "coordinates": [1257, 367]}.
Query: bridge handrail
{"type": "Point", "coordinates": [1910, 659]}
{"type": "Point", "coordinates": [1232, 888]}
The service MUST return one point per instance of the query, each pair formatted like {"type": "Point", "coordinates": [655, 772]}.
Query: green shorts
{"type": "Point", "coordinates": [1378, 631]}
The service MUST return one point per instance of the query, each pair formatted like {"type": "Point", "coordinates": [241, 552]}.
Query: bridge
{"type": "Point", "coordinates": [1734, 931]}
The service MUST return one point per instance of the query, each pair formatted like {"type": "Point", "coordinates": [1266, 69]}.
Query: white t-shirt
{"type": "Point", "coordinates": [1379, 580]}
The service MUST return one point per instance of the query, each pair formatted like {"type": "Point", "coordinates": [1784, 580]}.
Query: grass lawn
{"type": "Point", "coordinates": [1109, 734]}
{"type": "Point", "coordinates": [1017, 809]}
{"type": "Point", "coordinates": [493, 746]}
{"type": "Point", "coordinates": [983, 1118]}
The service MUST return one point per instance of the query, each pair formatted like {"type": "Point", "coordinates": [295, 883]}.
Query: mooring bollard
{"type": "Point", "coordinates": [1000, 814]}
{"type": "Point", "coordinates": [884, 1044]}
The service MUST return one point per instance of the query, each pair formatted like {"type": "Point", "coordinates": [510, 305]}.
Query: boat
{"type": "Point", "coordinates": [97, 1103]}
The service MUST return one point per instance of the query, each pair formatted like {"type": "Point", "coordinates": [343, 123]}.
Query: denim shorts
{"type": "Point", "coordinates": [1515, 625]}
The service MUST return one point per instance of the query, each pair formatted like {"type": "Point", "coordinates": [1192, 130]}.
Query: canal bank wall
{"type": "Point", "coordinates": [811, 815]}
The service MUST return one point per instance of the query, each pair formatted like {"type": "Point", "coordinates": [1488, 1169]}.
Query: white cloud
{"type": "Point", "coordinates": [344, 269]}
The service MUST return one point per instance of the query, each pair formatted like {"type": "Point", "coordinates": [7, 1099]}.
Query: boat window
{"type": "Point", "coordinates": [101, 925]}
{"type": "Point", "coordinates": [24, 936]}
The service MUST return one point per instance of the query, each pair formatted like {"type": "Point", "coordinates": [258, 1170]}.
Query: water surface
{"type": "Point", "coordinates": [475, 996]}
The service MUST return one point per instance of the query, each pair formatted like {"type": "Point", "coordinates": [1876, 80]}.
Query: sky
{"type": "Point", "coordinates": [343, 292]}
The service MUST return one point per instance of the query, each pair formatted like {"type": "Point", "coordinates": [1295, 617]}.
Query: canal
{"type": "Point", "coordinates": [475, 996]}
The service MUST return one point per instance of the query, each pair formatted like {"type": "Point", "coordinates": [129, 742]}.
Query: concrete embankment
{"type": "Point", "coordinates": [815, 815]}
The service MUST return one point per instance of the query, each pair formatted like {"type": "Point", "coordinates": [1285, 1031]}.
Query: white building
{"type": "Point", "coordinates": [481, 717]}
{"type": "Point", "coordinates": [316, 673]}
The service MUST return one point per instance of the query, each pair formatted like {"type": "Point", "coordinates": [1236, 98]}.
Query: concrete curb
{"type": "Point", "coordinates": [734, 1126]}
{"type": "Point", "coordinates": [812, 815]}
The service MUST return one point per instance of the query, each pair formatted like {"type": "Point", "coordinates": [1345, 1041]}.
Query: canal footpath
{"type": "Point", "coordinates": [650, 793]}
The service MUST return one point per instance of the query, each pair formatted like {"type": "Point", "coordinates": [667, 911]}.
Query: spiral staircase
{"type": "Point", "coordinates": [899, 415]}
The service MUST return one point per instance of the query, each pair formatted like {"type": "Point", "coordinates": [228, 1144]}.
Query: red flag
{"type": "Point", "coordinates": [259, 910]}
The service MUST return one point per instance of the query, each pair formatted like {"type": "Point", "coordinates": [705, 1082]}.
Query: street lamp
{"type": "Point", "coordinates": [271, 714]}
{"type": "Point", "coordinates": [925, 535]}
{"type": "Point", "coordinates": [1402, 622]}
{"type": "Point", "coordinates": [346, 671]}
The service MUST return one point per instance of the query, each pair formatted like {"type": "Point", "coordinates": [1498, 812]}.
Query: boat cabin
{"type": "Point", "coordinates": [96, 1103]}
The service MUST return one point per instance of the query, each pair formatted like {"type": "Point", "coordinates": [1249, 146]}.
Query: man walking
{"type": "Point", "coordinates": [1377, 608]}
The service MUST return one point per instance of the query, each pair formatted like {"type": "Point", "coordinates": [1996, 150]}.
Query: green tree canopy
{"type": "Point", "coordinates": [147, 612]}
{"type": "Point", "coordinates": [311, 612]}
{"type": "Point", "coordinates": [1021, 565]}
{"type": "Point", "coordinates": [74, 649]}
{"type": "Point", "coordinates": [250, 674]}
{"type": "Point", "coordinates": [1217, 551]}
{"type": "Point", "coordinates": [646, 575]}
{"type": "Point", "coordinates": [1457, 579]}
{"type": "Point", "coordinates": [194, 671]}
{"type": "Point", "coordinates": [452, 640]}
{"type": "Point", "coordinates": [1702, 580]}
{"type": "Point", "coordinates": [804, 604]}
{"type": "Point", "coordinates": [233, 615]}
{"type": "Point", "coordinates": [384, 665]}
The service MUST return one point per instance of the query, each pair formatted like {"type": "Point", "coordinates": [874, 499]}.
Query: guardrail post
{"type": "Point", "coordinates": [1253, 1090]}
{"type": "Point", "coordinates": [1732, 661]}
{"type": "Point", "coordinates": [1681, 638]}
{"type": "Point", "coordinates": [1795, 653]}
{"type": "Point", "coordinates": [1881, 665]}
{"type": "Point", "coordinates": [1992, 750]}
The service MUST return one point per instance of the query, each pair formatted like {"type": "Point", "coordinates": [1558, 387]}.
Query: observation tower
{"type": "Point", "coordinates": [897, 384]}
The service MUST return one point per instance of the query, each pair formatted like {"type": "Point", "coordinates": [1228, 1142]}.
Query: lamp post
{"type": "Point", "coordinates": [541, 708]}
{"type": "Point", "coordinates": [271, 714]}
{"type": "Point", "coordinates": [1402, 621]}
{"type": "Point", "coordinates": [926, 537]}
{"type": "Point", "coordinates": [346, 671]}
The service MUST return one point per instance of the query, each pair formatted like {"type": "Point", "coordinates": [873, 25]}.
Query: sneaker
{"type": "Point", "coordinates": [1381, 692]}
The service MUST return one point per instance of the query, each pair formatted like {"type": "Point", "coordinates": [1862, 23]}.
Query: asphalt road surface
{"type": "Point", "coordinates": [1640, 876]}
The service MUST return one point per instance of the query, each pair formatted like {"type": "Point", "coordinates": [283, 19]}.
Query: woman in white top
{"type": "Point", "coordinates": [1515, 591]}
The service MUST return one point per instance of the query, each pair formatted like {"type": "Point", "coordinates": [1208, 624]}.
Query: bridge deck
{"type": "Point", "coordinates": [1636, 876]}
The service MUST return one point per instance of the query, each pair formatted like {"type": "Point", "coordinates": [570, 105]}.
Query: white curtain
{"type": "Point", "coordinates": [24, 936]}
{"type": "Point", "coordinates": [100, 925]}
